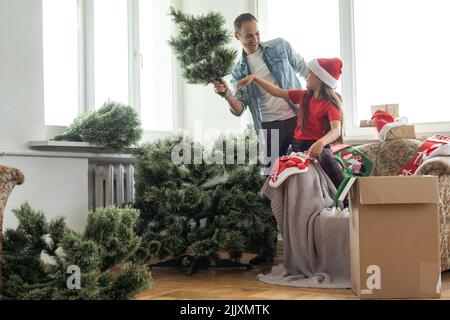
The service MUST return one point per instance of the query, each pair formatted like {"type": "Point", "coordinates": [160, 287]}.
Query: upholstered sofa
{"type": "Point", "coordinates": [391, 156]}
{"type": "Point", "coordinates": [9, 177]}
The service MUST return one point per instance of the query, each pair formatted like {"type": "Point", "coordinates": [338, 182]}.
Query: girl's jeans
{"type": "Point", "coordinates": [326, 159]}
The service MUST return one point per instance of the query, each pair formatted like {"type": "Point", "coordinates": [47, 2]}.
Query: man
{"type": "Point", "coordinates": [274, 61]}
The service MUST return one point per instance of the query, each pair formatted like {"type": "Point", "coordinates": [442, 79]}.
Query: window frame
{"type": "Point", "coordinates": [86, 73]}
{"type": "Point", "coordinates": [351, 125]}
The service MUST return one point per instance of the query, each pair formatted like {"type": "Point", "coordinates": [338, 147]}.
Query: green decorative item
{"type": "Point", "coordinates": [191, 212]}
{"type": "Point", "coordinates": [354, 164]}
{"type": "Point", "coordinates": [40, 256]}
{"type": "Point", "coordinates": [114, 124]}
{"type": "Point", "coordinates": [201, 47]}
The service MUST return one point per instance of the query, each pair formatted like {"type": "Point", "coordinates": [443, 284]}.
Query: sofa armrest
{"type": "Point", "coordinates": [9, 177]}
{"type": "Point", "coordinates": [436, 167]}
{"type": "Point", "coordinates": [8, 174]}
{"type": "Point", "coordinates": [440, 166]}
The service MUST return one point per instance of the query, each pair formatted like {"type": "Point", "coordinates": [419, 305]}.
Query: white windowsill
{"type": "Point", "coordinates": [68, 149]}
{"type": "Point", "coordinates": [359, 140]}
{"type": "Point", "coordinates": [69, 146]}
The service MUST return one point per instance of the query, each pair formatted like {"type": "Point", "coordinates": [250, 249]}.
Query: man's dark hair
{"type": "Point", "coordinates": [243, 18]}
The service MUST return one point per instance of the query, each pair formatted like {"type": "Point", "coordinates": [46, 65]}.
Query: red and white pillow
{"type": "Point", "coordinates": [435, 146]}
{"type": "Point", "coordinates": [286, 166]}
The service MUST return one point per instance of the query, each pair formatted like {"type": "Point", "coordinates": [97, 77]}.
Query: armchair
{"type": "Point", "coordinates": [9, 177]}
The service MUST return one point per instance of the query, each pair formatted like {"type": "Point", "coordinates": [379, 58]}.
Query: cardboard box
{"type": "Point", "coordinates": [393, 109]}
{"type": "Point", "coordinates": [401, 132]}
{"type": "Point", "coordinates": [394, 237]}
{"type": "Point", "coordinates": [366, 124]}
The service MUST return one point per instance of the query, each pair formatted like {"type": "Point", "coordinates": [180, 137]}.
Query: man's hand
{"type": "Point", "coordinates": [316, 149]}
{"type": "Point", "coordinates": [245, 82]}
{"type": "Point", "coordinates": [221, 87]}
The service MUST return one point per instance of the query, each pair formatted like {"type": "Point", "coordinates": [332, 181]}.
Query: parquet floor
{"type": "Point", "coordinates": [240, 284]}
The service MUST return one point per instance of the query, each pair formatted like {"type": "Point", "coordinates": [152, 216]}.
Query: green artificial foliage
{"type": "Point", "coordinates": [114, 125]}
{"type": "Point", "coordinates": [198, 210]}
{"type": "Point", "coordinates": [201, 47]}
{"type": "Point", "coordinates": [113, 229]}
{"type": "Point", "coordinates": [38, 254]}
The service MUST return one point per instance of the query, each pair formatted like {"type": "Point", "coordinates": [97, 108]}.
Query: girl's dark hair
{"type": "Point", "coordinates": [243, 18]}
{"type": "Point", "coordinates": [328, 94]}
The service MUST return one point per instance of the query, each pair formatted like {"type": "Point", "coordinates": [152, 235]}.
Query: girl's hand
{"type": "Point", "coordinates": [245, 82]}
{"type": "Point", "coordinates": [316, 149]}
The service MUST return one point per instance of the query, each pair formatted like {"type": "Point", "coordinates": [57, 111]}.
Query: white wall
{"type": "Point", "coordinates": [199, 103]}
{"type": "Point", "coordinates": [21, 75]}
{"type": "Point", "coordinates": [57, 186]}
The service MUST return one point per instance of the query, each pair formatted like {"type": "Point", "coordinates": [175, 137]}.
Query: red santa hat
{"type": "Point", "coordinates": [327, 70]}
{"type": "Point", "coordinates": [382, 118]}
{"type": "Point", "coordinates": [384, 122]}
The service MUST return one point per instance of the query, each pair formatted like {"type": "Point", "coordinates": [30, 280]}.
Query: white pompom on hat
{"type": "Point", "coordinates": [327, 70]}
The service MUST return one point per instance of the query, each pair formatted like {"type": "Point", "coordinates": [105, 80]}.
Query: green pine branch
{"type": "Point", "coordinates": [201, 46]}
{"type": "Point", "coordinates": [102, 252]}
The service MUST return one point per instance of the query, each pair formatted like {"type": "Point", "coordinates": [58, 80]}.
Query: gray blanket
{"type": "Point", "coordinates": [316, 245]}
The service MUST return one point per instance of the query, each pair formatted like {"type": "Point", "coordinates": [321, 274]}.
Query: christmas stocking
{"type": "Point", "coordinates": [286, 166]}
{"type": "Point", "coordinates": [432, 147]}
{"type": "Point", "coordinates": [353, 161]}
{"type": "Point", "coordinates": [354, 164]}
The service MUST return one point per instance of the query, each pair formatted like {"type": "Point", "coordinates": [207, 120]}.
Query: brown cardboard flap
{"type": "Point", "coordinates": [398, 190]}
{"type": "Point", "coordinates": [401, 132]}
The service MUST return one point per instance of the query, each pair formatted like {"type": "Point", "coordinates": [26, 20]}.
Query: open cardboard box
{"type": "Point", "coordinates": [394, 237]}
{"type": "Point", "coordinates": [401, 132]}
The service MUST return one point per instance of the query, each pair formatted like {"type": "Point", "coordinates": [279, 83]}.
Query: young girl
{"type": "Point", "coordinates": [319, 122]}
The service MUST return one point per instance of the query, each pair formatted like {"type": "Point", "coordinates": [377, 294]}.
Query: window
{"type": "Point", "coordinates": [60, 42]}
{"type": "Point", "coordinates": [297, 22]}
{"type": "Point", "coordinates": [400, 57]}
{"type": "Point", "coordinates": [393, 53]}
{"type": "Point", "coordinates": [156, 69]}
{"type": "Point", "coordinates": [111, 51]}
{"type": "Point", "coordinates": [101, 50]}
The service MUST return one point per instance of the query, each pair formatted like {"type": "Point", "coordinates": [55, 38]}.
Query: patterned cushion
{"type": "Point", "coordinates": [371, 151]}
{"type": "Point", "coordinates": [394, 155]}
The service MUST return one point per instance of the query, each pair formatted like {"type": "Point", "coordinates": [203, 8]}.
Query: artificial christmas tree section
{"type": "Point", "coordinates": [191, 212]}
{"type": "Point", "coordinates": [115, 125]}
{"type": "Point", "coordinates": [39, 254]}
{"type": "Point", "coordinates": [201, 47]}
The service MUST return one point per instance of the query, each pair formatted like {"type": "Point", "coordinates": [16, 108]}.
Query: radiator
{"type": "Point", "coordinates": [113, 184]}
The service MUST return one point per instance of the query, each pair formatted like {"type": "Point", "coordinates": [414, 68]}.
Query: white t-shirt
{"type": "Point", "coordinates": [273, 108]}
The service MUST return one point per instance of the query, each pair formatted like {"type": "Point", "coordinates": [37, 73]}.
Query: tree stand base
{"type": "Point", "coordinates": [193, 264]}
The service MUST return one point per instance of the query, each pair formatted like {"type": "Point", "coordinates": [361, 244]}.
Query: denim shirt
{"type": "Point", "coordinates": [284, 64]}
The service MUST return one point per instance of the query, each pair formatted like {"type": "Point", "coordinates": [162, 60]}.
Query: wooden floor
{"type": "Point", "coordinates": [240, 284]}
